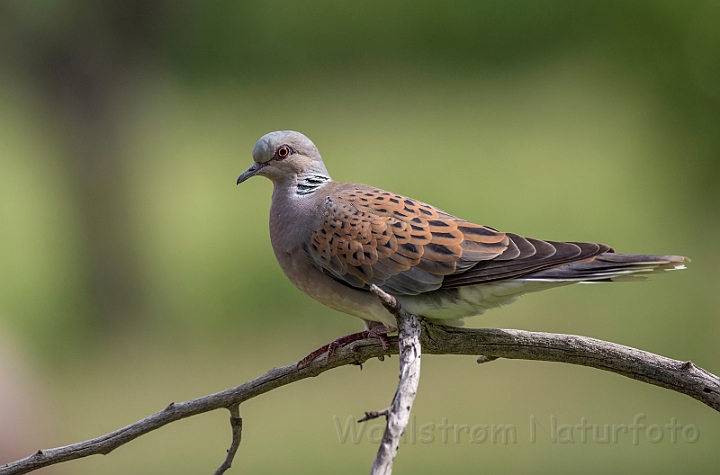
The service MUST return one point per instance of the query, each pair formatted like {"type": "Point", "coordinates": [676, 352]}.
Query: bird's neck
{"type": "Point", "coordinates": [301, 183]}
{"type": "Point", "coordinates": [310, 182]}
{"type": "Point", "coordinates": [291, 210]}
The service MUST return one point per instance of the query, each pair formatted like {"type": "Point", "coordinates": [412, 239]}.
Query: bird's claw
{"type": "Point", "coordinates": [378, 331]}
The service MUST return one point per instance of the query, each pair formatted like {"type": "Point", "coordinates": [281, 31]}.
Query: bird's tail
{"type": "Point", "coordinates": [610, 267]}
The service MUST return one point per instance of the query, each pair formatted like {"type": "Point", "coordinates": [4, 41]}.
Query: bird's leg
{"type": "Point", "coordinates": [381, 332]}
{"type": "Point", "coordinates": [376, 331]}
{"type": "Point", "coordinates": [330, 347]}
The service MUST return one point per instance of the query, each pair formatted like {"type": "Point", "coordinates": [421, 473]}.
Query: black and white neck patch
{"type": "Point", "coordinates": [311, 182]}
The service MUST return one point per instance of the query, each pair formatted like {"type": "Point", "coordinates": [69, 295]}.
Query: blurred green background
{"type": "Point", "coordinates": [133, 272]}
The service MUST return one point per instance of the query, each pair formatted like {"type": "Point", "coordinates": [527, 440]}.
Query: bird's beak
{"type": "Point", "coordinates": [250, 172]}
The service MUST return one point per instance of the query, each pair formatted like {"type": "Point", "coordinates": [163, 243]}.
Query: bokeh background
{"type": "Point", "coordinates": [133, 272]}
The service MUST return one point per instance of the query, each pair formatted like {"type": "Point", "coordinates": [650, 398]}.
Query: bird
{"type": "Point", "coordinates": [333, 240]}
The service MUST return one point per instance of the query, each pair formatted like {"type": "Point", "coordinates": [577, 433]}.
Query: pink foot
{"type": "Point", "coordinates": [379, 331]}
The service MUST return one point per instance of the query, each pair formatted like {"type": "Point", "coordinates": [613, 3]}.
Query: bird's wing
{"type": "Point", "coordinates": [406, 247]}
{"type": "Point", "coordinates": [535, 255]}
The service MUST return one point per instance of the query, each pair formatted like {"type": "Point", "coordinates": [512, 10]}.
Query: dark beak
{"type": "Point", "coordinates": [250, 172]}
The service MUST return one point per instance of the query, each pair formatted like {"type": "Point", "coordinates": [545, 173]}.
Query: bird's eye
{"type": "Point", "coordinates": [284, 151]}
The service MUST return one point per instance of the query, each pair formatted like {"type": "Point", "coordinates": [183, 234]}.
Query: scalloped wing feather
{"type": "Point", "coordinates": [406, 247]}
{"type": "Point", "coordinates": [369, 236]}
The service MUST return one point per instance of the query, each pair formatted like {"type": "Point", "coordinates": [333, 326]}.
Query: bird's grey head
{"type": "Point", "coordinates": [285, 156]}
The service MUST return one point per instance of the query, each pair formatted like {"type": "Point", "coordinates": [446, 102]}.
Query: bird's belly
{"type": "Point", "coordinates": [461, 302]}
{"type": "Point", "coordinates": [329, 292]}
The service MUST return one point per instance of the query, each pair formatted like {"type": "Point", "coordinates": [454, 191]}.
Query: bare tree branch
{"type": "Point", "coordinates": [683, 377]}
{"type": "Point", "coordinates": [236, 425]}
{"type": "Point", "coordinates": [398, 414]}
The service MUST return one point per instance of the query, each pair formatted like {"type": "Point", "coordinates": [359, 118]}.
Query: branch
{"type": "Point", "coordinates": [683, 377]}
{"type": "Point", "coordinates": [355, 353]}
{"type": "Point", "coordinates": [398, 414]}
{"type": "Point", "coordinates": [236, 425]}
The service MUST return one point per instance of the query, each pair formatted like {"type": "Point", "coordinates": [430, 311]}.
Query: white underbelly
{"type": "Point", "coordinates": [455, 304]}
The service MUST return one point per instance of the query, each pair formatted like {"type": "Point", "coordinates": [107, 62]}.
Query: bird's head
{"type": "Point", "coordinates": [283, 156]}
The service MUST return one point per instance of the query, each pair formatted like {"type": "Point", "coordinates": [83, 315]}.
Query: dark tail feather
{"type": "Point", "coordinates": [611, 267]}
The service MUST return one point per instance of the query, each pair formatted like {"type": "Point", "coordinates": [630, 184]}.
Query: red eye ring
{"type": "Point", "coordinates": [283, 152]}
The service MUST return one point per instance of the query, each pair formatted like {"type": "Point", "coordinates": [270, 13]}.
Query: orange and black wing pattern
{"type": "Point", "coordinates": [406, 247]}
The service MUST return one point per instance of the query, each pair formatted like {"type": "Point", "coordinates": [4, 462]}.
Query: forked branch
{"type": "Point", "coordinates": [683, 377]}
{"type": "Point", "coordinates": [398, 414]}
